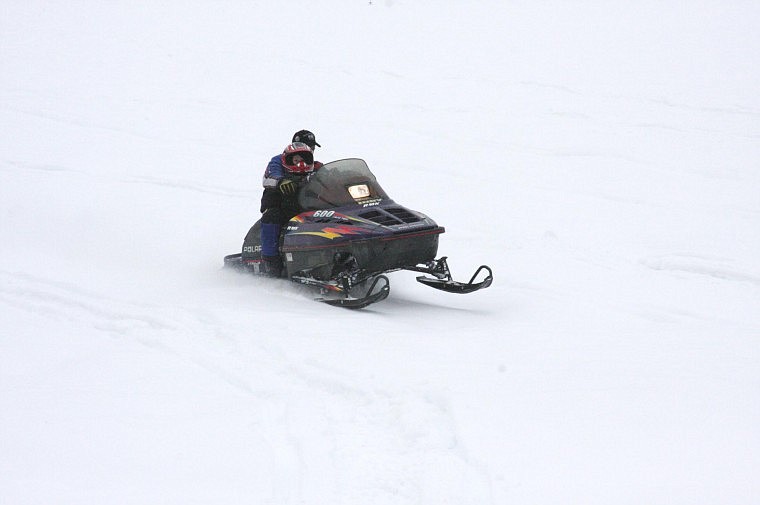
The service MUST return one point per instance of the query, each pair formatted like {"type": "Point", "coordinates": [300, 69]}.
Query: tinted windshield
{"type": "Point", "coordinates": [339, 183]}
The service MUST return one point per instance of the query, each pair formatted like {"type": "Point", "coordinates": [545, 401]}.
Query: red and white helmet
{"type": "Point", "coordinates": [298, 158]}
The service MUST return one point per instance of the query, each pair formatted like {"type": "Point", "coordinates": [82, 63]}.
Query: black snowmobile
{"type": "Point", "coordinates": [349, 235]}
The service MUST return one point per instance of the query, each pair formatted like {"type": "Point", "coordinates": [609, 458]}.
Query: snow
{"type": "Point", "coordinates": [601, 157]}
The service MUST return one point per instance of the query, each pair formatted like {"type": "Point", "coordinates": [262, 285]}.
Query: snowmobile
{"type": "Point", "coordinates": [349, 235]}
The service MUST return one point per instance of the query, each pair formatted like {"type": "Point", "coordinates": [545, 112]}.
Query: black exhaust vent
{"type": "Point", "coordinates": [391, 216]}
{"type": "Point", "coordinates": [403, 214]}
{"type": "Point", "coordinates": [379, 217]}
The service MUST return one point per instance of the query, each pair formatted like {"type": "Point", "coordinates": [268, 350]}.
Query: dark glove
{"type": "Point", "coordinates": [287, 187]}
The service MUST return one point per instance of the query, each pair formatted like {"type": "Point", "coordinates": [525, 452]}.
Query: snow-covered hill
{"type": "Point", "coordinates": [602, 157]}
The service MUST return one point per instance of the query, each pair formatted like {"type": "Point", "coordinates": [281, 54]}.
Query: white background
{"type": "Point", "coordinates": [602, 157]}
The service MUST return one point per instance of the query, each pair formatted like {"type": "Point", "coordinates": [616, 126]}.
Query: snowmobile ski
{"type": "Point", "coordinates": [371, 296]}
{"type": "Point", "coordinates": [452, 286]}
{"type": "Point", "coordinates": [442, 277]}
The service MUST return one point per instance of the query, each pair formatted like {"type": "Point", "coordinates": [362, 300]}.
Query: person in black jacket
{"type": "Point", "coordinates": [279, 203]}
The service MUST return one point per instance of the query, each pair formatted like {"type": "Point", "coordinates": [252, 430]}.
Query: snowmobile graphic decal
{"type": "Point", "coordinates": [328, 215]}
{"type": "Point", "coordinates": [334, 231]}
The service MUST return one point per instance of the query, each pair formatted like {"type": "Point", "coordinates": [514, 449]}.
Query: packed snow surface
{"type": "Point", "coordinates": [602, 157]}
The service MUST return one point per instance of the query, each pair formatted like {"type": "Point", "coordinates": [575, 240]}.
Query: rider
{"type": "Point", "coordinates": [283, 177]}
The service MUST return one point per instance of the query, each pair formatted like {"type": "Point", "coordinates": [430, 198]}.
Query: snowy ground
{"type": "Point", "coordinates": [602, 157]}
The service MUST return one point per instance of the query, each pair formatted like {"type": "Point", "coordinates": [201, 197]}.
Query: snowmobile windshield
{"type": "Point", "coordinates": [340, 183]}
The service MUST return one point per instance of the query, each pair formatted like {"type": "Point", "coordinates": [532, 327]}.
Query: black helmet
{"type": "Point", "coordinates": [307, 138]}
